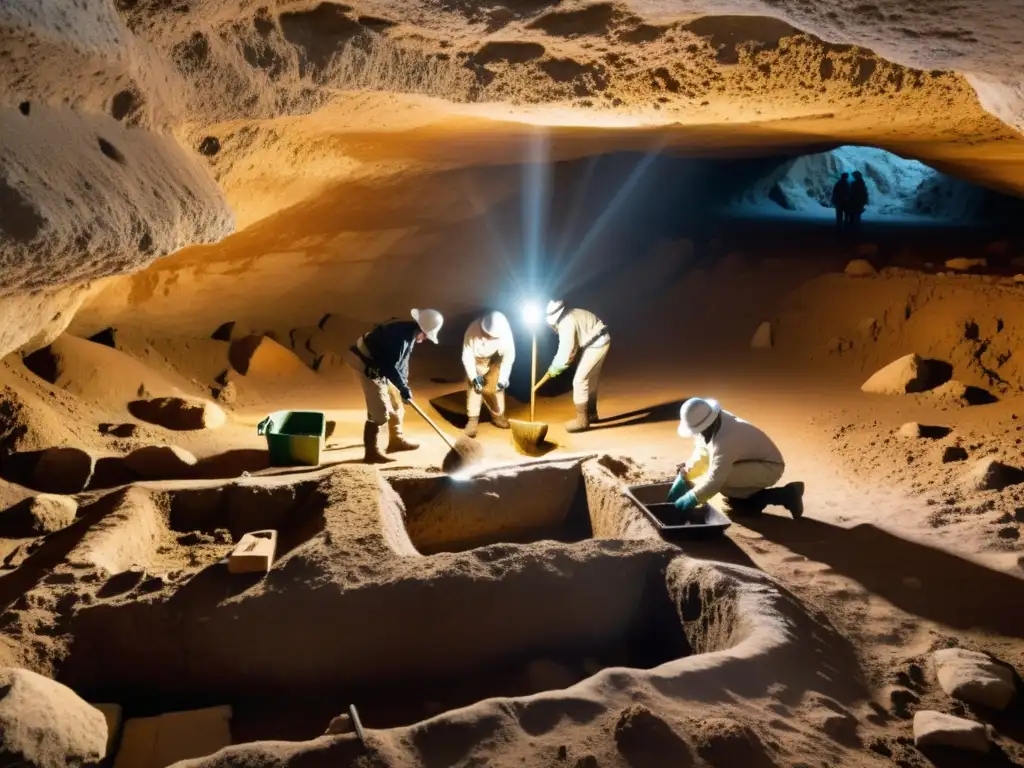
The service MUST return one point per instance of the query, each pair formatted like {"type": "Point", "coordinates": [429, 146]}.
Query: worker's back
{"type": "Point", "coordinates": [737, 440]}
{"type": "Point", "coordinates": [588, 325]}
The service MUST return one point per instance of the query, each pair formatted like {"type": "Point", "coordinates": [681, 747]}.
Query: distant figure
{"type": "Point", "coordinates": [858, 199]}
{"type": "Point", "coordinates": [841, 200]}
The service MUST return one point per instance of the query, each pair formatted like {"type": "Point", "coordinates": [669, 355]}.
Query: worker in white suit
{"type": "Point", "coordinates": [580, 333]}
{"type": "Point", "coordinates": [488, 352]}
{"type": "Point", "coordinates": [732, 457]}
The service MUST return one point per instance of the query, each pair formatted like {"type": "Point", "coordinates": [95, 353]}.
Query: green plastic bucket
{"type": "Point", "coordinates": [294, 438]}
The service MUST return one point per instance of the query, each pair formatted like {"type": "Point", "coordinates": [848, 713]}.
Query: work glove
{"type": "Point", "coordinates": [687, 501]}
{"type": "Point", "coordinates": [407, 396]}
{"type": "Point", "coordinates": [502, 386]}
{"type": "Point", "coordinates": [679, 486]}
{"type": "Point", "coordinates": [553, 372]}
{"type": "Point", "coordinates": [478, 384]}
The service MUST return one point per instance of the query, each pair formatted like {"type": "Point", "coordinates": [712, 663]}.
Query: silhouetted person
{"type": "Point", "coordinates": [841, 200]}
{"type": "Point", "coordinates": [858, 199]}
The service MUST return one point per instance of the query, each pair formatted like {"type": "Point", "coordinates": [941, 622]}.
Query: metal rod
{"type": "Point", "coordinates": [533, 379]}
{"type": "Point", "coordinates": [357, 724]}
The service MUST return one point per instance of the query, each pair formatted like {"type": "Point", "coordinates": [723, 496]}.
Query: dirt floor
{"type": "Point", "coordinates": [421, 600]}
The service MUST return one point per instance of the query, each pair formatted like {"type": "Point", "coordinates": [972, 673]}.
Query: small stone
{"type": "Point", "coordinates": [988, 474]}
{"type": "Point", "coordinates": [934, 729]}
{"type": "Point", "coordinates": [178, 413]}
{"type": "Point", "coordinates": [160, 462]}
{"type": "Point", "coordinates": [762, 336]}
{"type": "Point", "coordinates": [860, 268]}
{"type": "Point", "coordinates": [974, 677]}
{"type": "Point", "coordinates": [962, 264]}
{"type": "Point", "coordinates": [907, 374]}
{"type": "Point", "coordinates": [339, 725]}
{"type": "Point", "coordinates": [910, 430]}
{"type": "Point", "coordinates": [954, 453]}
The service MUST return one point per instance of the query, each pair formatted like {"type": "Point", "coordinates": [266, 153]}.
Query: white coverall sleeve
{"type": "Point", "coordinates": [468, 358]}
{"type": "Point", "coordinates": [566, 346]}
{"type": "Point", "coordinates": [719, 466]}
{"type": "Point", "coordinates": [508, 358]}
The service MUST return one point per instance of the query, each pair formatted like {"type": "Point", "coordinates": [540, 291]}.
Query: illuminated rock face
{"type": "Point", "coordinates": [134, 128]}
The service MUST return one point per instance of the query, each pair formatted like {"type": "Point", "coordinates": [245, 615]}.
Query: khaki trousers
{"type": "Point", "coordinates": [584, 383]}
{"type": "Point", "coordinates": [748, 477]}
{"type": "Point", "coordinates": [383, 401]}
{"type": "Point", "coordinates": [488, 367]}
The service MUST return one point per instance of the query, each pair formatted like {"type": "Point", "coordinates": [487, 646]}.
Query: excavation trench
{"type": "Point", "coordinates": [352, 613]}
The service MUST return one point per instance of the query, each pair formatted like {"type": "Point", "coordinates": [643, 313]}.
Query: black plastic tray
{"type": "Point", "coordinates": [671, 522]}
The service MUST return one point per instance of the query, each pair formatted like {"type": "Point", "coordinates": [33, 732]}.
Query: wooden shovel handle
{"type": "Point", "coordinates": [542, 382]}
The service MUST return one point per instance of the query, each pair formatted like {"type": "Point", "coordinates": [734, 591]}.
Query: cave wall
{"type": "Point", "coordinates": [132, 129]}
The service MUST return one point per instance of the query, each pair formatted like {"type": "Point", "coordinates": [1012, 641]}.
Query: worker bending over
{"type": "Point", "coordinates": [731, 457]}
{"type": "Point", "coordinates": [488, 351]}
{"type": "Point", "coordinates": [380, 359]}
{"type": "Point", "coordinates": [579, 333]}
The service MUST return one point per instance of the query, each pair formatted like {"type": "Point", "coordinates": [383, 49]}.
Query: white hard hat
{"type": "Point", "coordinates": [554, 311]}
{"type": "Point", "coordinates": [495, 325]}
{"type": "Point", "coordinates": [696, 415]}
{"type": "Point", "coordinates": [430, 322]}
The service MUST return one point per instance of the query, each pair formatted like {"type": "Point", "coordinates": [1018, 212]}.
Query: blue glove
{"type": "Point", "coordinates": [478, 384]}
{"type": "Point", "coordinates": [677, 487]}
{"type": "Point", "coordinates": [687, 501]}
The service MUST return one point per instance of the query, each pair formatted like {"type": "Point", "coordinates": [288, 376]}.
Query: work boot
{"type": "Point", "coordinates": [592, 409]}
{"type": "Point", "coordinates": [754, 505]}
{"type": "Point", "coordinates": [472, 426]}
{"type": "Point", "coordinates": [397, 441]}
{"type": "Point", "coordinates": [373, 454]}
{"type": "Point", "coordinates": [582, 422]}
{"type": "Point", "coordinates": [791, 496]}
{"type": "Point", "coordinates": [499, 420]}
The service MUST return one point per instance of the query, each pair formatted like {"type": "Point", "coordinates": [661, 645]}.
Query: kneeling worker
{"type": "Point", "coordinates": [731, 457]}
{"type": "Point", "coordinates": [579, 332]}
{"type": "Point", "coordinates": [487, 345]}
{"type": "Point", "coordinates": [380, 359]}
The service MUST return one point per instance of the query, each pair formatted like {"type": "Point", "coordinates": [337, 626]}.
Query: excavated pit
{"type": "Point", "coordinates": [351, 612]}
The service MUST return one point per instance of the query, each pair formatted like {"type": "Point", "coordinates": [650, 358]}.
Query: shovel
{"type": "Point", "coordinates": [462, 453]}
{"type": "Point", "coordinates": [528, 435]}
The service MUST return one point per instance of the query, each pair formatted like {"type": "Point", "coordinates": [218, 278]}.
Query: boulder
{"type": "Point", "coordinates": [38, 516]}
{"type": "Point", "coordinates": [910, 373]}
{"type": "Point", "coordinates": [974, 677]}
{"type": "Point", "coordinates": [261, 356]}
{"type": "Point", "coordinates": [63, 470]}
{"type": "Point", "coordinates": [155, 462]}
{"type": "Point", "coordinates": [860, 268]}
{"type": "Point", "coordinates": [762, 336]}
{"type": "Point", "coordinates": [989, 474]}
{"type": "Point", "coordinates": [963, 264]}
{"type": "Point", "coordinates": [44, 724]}
{"type": "Point", "coordinates": [934, 729]}
{"type": "Point", "coordinates": [179, 413]}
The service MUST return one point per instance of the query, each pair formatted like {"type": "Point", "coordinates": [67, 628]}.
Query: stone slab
{"type": "Point", "coordinates": [254, 552]}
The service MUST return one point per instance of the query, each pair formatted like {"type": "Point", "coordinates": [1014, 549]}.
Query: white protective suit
{"type": "Point", "coordinates": [490, 357]}
{"type": "Point", "coordinates": [739, 461]}
{"type": "Point", "coordinates": [579, 329]}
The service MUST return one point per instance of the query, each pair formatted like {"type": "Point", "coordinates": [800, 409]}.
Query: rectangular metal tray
{"type": "Point", "coordinates": [704, 521]}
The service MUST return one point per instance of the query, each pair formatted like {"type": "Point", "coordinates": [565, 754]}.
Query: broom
{"type": "Point", "coordinates": [462, 453]}
{"type": "Point", "coordinates": [528, 435]}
